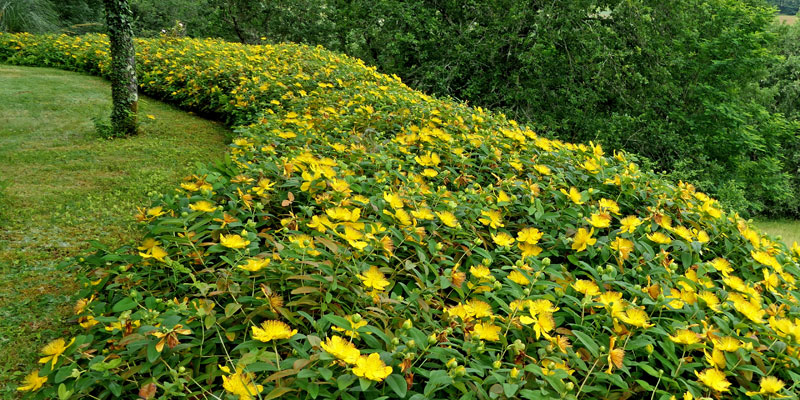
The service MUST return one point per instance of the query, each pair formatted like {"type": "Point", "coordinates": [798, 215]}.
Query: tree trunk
{"type": "Point", "coordinates": [124, 89]}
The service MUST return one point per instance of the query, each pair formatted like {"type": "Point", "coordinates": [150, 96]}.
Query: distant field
{"type": "Point", "coordinates": [788, 230]}
{"type": "Point", "coordinates": [788, 19]}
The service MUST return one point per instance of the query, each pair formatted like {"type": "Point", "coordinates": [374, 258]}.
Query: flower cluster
{"type": "Point", "coordinates": [364, 239]}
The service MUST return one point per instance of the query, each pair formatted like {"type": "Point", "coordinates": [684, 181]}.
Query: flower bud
{"type": "Point", "coordinates": [356, 318]}
{"type": "Point", "coordinates": [452, 363]}
{"type": "Point", "coordinates": [546, 261]}
{"type": "Point", "coordinates": [514, 373]}
{"type": "Point", "coordinates": [497, 364]}
{"type": "Point", "coordinates": [181, 369]}
{"type": "Point", "coordinates": [432, 339]}
{"type": "Point", "coordinates": [411, 344]}
{"type": "Point", "coordinates": [408, 324]}
{"type": "Point", "coordinates": [395, 341]}
{"type": "Point", "coordinates": [569, 386]}
{"type": "Point", "coordinates": [526, 291]}
{"type": "Point", "coordinates": [497, 285]}
{"type": "Point", "coordinates": [460, 371]}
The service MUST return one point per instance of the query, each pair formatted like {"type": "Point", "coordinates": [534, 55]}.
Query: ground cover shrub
{"type": "Point", "coordinates": [364, 240]}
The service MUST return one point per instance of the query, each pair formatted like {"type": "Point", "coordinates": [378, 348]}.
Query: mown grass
{"type": "Point", "coordinates": [61, 185]}
{"type": "Point", "coordinates": [788, 230]}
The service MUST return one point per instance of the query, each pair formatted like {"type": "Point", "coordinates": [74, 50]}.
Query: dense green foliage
{"type": "Point", "coordinates": [783, 85]}
{"type": "Point", "coordinates": [788, 7]}
{"type": "Point", "coordinates": [410, 247]}
{"type": "Point", "coordinates": [676, 82]}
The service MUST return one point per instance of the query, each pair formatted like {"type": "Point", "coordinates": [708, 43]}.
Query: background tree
{"type": "Point", "coordinates": [124, 88]}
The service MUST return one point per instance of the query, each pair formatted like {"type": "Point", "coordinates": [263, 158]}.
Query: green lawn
{"type": "Point", "coordinates": [788, 230]}
{"type": "Point", "coordinates": [61, 185]}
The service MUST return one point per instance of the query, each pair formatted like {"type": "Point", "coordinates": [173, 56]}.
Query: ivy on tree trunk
{"type": "Point", "coordinates": [124, 89]}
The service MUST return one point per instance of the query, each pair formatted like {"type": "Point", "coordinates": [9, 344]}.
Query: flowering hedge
{"type": "Point", "coordinates": [364, 240]}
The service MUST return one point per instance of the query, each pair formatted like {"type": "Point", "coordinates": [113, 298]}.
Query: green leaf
{"type": "Point", "coordinates": [278, 392]}
{"type": "Point", "coordinates": [152, 353]}
{"type": "Point", "coordinates": [63, 393]}
{"type": "Point", "coordinates": [325, 373]}
{"type": "Point", "coordinates": [588, 343]}
{"type": "Point", "coordinates": [124, 305]}
{"type": "Point", "coordinates": [397, 384]}
{"type": "Point", "coordinates": [344, 381]}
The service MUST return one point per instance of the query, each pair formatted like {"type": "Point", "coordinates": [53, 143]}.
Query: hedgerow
{"type": "Point", "coordinates": [364, 240]}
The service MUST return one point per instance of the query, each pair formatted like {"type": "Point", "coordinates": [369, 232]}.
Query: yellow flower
{"type": "Point", "coordinates": [609, 298]}
{"type": "Point", "coordinates": [155, 252]}
{"type": "Point", "coordinates": [32, 382]}
{"type": "Point", "coordinates": [343, 214]}
{"type": "Point", "coordinates": [393, 199]}
{"type": "Point", "coordinates": [722, 265]}
{"type": "Point", "coordinates": [341, 349]}
{"type": "Point", "coordinates": [233, 241]}
{"type": "Point", "coordinates": [630, 223]}
{"type": "Point", "coordinates": [519, 278]}
{"type": "Point", "coordinates": [623, 246]}
{"type": "Point", "coordinates": [353, 331]}
{"type": "Point", "coordinates": [503, 239]}
{"type": "Point", "coordinates": [255, 264]}
{"type": "Point", "coordinates": [710, 298]}
{"type": "Point", "coordinates": [423, 214]}
{"type": "Point", "coordinates": [203, 206]}
{"type": "Point", "coordinates": [542, 321]}
{"type": "Point", "coordinates": [371, 367]}
{"type": "Point", "coordinates": [374, 278]}
{"type": "Point", "coordinates": [583, 239]}
{"type": "Point", "coordinates": [635, 317]}
{"type": "Point", "coordinates": [241, 385]}
{"type": "Point", "coordinates": [716, 358]}
{"type": "Point", "coordinates": [685, 336]}
{"type": "Point", "coordinates": [701, 236]}
{"type": "Point", "coordinates": [480, 271]}
{"type": "Point", "coordinates": [616, 356]}
{"type": "Point", "coordinates": [600, 220]}
{"type": "Point", "coordinates": [659, 238]}
{"type": "Point", "coordinates": [493, 219]}
{"type": "Point", "coordinates": [487, 331]}
{"type": "Point", "coordinates": [573, 195]}
{"type": "Point", "coordinates": [714, 379]}
{"type": "Point", "coordinates": [478, 308]}
{"type": "Point", "coordinates": [430, 173]}
{"type": "Point", "coordinates": [54, 349]}
{"type": "Point", "coordinates": [428, 160]}
{"type": "Point", "coordinates": [273, 330]}
{"type": "Point", "coordinates": [765, 258]}
{"type": "Point", "coordinates": [502, 197]}
{"type": "Point", "coordinates": [769, 385]}
{"type": "Point", "coordinates": [684, 233]}
{"type": "Point", "coordinates": [727, 343]}
{"type": "Point", "coordinates": [529, 235]}
{"type": "Point", "coordinates": [529, 250]}
{"type": "Point", "coordinates": [609, 205]}
{"type": "Point", "coordinates": [588, 288]}
{"type": "Point", "coordinates": [542, 169]}
{"type": "Point", "coordinates": [448, 218]}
